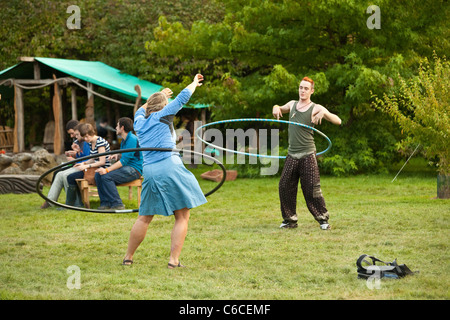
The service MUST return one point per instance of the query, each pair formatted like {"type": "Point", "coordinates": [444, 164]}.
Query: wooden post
{"type": "Point", "coordinates": [203, 116]}
{"type": "Point", "coordinates": [73, 90]}
{"type": "Point", "coordinates": [90, 87]}
{"type": "Point", "coordinates": [90, 117]}
{"type": "Point", "coordinates": [63, 113]}
{"type": "Point", "coordinates": [36, 70]}
{"type": "Point", "coordinates": [198, 145]}
{"type": "Point", "coordinates": [19, 127]}
{"type": "Point", "coordinates": [116, 112]}
{"type": "Point", "coordinates": [110, 134]}
{"type": "Point", "coordinates": [58, 141]}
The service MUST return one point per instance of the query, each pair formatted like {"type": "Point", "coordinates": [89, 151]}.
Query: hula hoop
{"type": "Point", "coordinates": [259, 120]}
{"type": "Point", "coordinates": [122, 151]}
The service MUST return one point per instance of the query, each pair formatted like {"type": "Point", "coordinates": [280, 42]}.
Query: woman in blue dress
{"type": "Point", "coordinates": [168, 187]}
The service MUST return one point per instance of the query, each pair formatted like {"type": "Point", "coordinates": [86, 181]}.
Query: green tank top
{"type": "Point", "coordinates": [301, 139]}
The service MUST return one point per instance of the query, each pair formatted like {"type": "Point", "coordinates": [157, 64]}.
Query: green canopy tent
{"type": "Point", "coordinates": [36, 72]}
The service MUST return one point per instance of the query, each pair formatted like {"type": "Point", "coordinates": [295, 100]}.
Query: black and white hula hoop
{"type": "Point", "coordinates": [122, 151]}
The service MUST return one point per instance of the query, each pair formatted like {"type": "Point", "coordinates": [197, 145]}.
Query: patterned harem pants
{"type": "Point", "coordinates": [307, 171]}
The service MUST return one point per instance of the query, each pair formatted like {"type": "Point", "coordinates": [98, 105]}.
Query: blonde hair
{"type": "Point", "coordinates": [155, 102]}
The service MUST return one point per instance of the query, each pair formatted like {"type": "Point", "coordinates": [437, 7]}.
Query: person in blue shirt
{"type": "Point", "coordinates": [168, 187]}
{"type": "Point", "coordinates": [128, 167]}
{"type": "Point", "coordinates": [97, 147]}
{"type": "Point", "coordinates": [80, 148]}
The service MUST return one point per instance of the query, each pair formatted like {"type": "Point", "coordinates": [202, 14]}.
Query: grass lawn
{"type": "Point", "coordinates": [234, 248]}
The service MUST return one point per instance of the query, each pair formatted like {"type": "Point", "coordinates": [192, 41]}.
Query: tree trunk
{"type": "Point", "coordinates": [443, 186]}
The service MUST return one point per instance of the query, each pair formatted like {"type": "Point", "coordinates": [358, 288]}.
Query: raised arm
{"type": "Point", "coordinates": [182, 98]}
{"type": "Point", "coordinates": [196, 83]}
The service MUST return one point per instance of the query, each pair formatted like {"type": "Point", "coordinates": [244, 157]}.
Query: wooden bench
{"type": "Point", "coordinates": [6, 138]}
{"type": "Point", "coordinates": [88, 190]}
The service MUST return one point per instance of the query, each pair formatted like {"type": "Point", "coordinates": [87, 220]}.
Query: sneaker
{"type": "Point", "coordinates": [103, 208]}
{"type": "Point", "coordinates": [324, 225]}
{"type": "Point", "coordinates": [45, 205]}
{"type": "Point", "coordinates": [119, 207]}
{"type": "Point", "coordinates": [288, 225]}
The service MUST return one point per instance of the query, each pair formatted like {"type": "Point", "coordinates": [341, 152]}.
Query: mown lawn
{"type": "Point", "coordinates": [234, 248]}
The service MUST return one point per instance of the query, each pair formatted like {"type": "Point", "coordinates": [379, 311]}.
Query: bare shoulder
{"type": "Point", "coordinates": [288, 106]}
{"type": "Point", "coordinates": [318, 107]}
{"type": "Point", "coordinates": [291, 103]}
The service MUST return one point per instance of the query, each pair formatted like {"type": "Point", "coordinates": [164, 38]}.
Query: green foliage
{"type": "Point", "coordinates": [111, 31]}
{"type": "Point", "coordinates": [354, 151]}
{"type": "Point", "coordinates": [422, 108]}
{"type": "Point", "coordinates": [253, 55]}
{"type": "Point", "coordinates": [256, 56]}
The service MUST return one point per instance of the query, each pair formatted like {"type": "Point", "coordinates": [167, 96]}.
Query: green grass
{"type": "Point", "coordinates": [234, 248]}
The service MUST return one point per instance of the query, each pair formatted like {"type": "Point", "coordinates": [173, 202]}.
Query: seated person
{"type": "Point", "coordinates": [186, 128]}
{"type": "Point", "coordinates": [97, 145]}
{"type": "Point", "coordinates": [80, 148]}
{"type": "Point", "coordinates": [127, 169]}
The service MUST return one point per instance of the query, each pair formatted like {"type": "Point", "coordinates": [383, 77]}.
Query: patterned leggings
{"type": "Point", "coordinates": [307, 171]}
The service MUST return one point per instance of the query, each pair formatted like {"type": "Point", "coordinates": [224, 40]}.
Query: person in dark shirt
{"type": "Point", "coordinates": [301, 163]}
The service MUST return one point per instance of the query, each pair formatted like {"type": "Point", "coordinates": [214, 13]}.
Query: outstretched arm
{"type": "Point", "coordinates": [321, 112]}
{"type": "Point", "coordinates": [278, 111]}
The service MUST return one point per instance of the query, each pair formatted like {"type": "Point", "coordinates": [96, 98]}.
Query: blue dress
{"type": "Point", "coordinates": [168, 185]}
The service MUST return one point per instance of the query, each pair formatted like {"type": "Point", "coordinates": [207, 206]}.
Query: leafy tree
{"type": "Point", "coordinates": [111, 31]}
{"type": "Point", "coordinates": [256, 56]}
{"type": "Point", "coordinates": [422, 109]}
{"type": "Point", "coordinates": [253, 54]}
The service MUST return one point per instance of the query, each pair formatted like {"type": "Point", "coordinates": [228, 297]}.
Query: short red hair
{"type": "Point", "coordinates": [309, 80]}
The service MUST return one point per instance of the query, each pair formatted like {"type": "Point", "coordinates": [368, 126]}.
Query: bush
{"type": "Point", "coordinates": [421, 108]}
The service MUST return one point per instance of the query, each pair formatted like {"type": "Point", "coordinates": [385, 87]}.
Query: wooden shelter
{"type": "Point", "coordinates": [35, 73]}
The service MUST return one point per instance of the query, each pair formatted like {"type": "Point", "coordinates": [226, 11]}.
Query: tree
{"type": "Point", "coordinates": [111, 31]}
{"type": "Point", "coordinates": [255, 57]}
{"type": "Point", "coordinates": [252, 53]}
{"type": "Point", "coordinates": [422, 109]}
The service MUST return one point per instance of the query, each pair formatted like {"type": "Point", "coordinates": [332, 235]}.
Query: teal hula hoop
{"type": "Point", "coordinates": [197, 132]}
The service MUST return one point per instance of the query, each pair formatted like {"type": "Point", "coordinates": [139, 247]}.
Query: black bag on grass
{"type": "Point", "coordinates": [368, 267]}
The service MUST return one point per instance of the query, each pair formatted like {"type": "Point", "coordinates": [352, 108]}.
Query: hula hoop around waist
{"type": "Point", "coordinates": [258, 120]}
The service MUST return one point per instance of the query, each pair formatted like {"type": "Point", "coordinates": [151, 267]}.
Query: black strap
{"type": "Point", "coordinates": [364, 256]}
{"type": "Point", "coordinates": [401, 270]}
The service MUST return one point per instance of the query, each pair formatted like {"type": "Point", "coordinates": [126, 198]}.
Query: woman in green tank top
{"type": "Point", "coordinates": [301, 163]}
